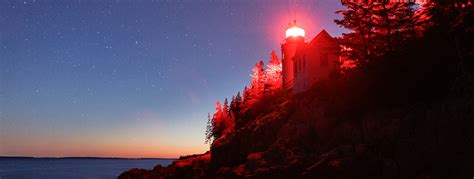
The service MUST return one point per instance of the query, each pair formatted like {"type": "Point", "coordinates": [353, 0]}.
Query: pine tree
{"type": "Point", "coordinates": [209, 127]}
{"type": "Point", "coordinates": [221, 122]}
{"type": "Point", "coordinates": [395, 23]}
{"type": "Point", "coordinates": [232, 105]}
{"type": "Point", "coordinates": [274, 73]}
{"type": "Point", "coordinates": [359, 19]}
{"type": "Point", "coordinates": [457, 18]}
{"type": "Point", "coordinates": [257, 86]}
{"type": "Point", "coordinates": [246, 94]}
{"type": "Point", "coordinates": [225, 108]}
{"type": "Point", "coordinates": [377, 28]}
{"type": "Point", "coordinates": [238, 98]}
{"type": "Point", "coordinates": [216, 121]}
{"type": "Point", "coordinates": [410, 20]}
{"type": "Point", "coordinates": [235, 107]}
{"type": "Point", "coordinates": [384, 21]}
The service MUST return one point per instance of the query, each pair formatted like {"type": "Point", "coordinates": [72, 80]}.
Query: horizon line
{"type": "Point", "coordinates": [75, 157]}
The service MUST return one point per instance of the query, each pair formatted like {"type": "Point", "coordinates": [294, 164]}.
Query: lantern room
{"type": "Point", "coordinates": [294, 30]}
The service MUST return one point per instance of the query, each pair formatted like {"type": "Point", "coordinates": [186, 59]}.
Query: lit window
{"type": "Point", "coordinates": [294, 31]}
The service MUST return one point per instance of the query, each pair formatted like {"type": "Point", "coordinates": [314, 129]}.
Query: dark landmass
{"type": "Point", "coordinates": [406, 114]}
{"type": "Point", "coordinates": [16, 157]}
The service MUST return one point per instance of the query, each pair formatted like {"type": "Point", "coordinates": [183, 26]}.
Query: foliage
{"type": "Point", "coordinates": [264, 81]}
{"type": "Point", "coordinates": [274, 73]}
{"type": "Point", "coordinates": [378, 28]}
{"type": "Point", "coordinates": [221, 123]}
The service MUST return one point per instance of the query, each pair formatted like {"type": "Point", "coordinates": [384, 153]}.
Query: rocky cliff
{"type": "Point", "coordinates": [302, 136]}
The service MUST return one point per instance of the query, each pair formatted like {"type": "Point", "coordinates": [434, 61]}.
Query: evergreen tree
{"type": "Point", "coordinates": [456, 17]}
{"type": "Point", "coordinates": [411, 20]}
{"type": "Point", "coordinates": [376, 28]}
{"type": "Point", "coordinates": [235, 107]}
{"type": "Point", "coordinates": [232, 105]}
{"type": "Point", "coordinates": [385, 25]}
{"type": "Point", "coordinates": [257, 86]}
{"type": "Point", "coordinates": [274, 73]}
{"type": "Point", "coordinates": [225, 108]}
{"type": "Point", "coordinates": [395, 23]}
{"type": "Point", "coordinates": [246, 94]}
{"type": "Point", "coordinates": [221, 123]}
{"type": "Point", "coordinates": [216, 121]}
{"type": "Point", "coordinates": [360, 20]}
{"type": "Point", "coordinates": [208, 129]}
{"type": "Point", "coordinates": [238, 98]}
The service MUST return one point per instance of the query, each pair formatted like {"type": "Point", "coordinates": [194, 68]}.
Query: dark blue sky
{"type": "Point", "coordinates": [132, 78]}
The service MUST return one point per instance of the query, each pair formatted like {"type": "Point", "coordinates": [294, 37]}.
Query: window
{"type": "Point", "coordinates": [324, 61]}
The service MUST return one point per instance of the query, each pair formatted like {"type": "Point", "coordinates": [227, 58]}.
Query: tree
{"type": "Point", "coordinates": [274, 73]}
{"type": "Point", "coordinates": [208, 129]}
{"type": "Point", "coordinates": [220, 124]}
{"type": "Point", "coordinates": [235, 104]}
{"type": "Point", "coordinates": [225, 108]}
{"type": "Point", "coordinates": [457, 18]}
{"type": "Point", "coordinates": [246, 95]}
{"type": "Point", "coordinates": [395, 23]}
{"type": "Point", "coordinates": [377, 28]}
{"type": "Point", "coordinates": [238, 98]}
{"type": "Point", "coordinates": [257, 85]}
{"type": "Point", "coordinates": [412, 21]}
{"type": "Point", "coordinates": [358, 18]}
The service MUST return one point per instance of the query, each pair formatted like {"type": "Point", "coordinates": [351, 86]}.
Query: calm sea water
{"type": "Point", "coordinates": [72, 168]}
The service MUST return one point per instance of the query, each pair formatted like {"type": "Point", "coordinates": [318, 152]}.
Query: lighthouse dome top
{"type": "Point", "coordinates": [294, 30]}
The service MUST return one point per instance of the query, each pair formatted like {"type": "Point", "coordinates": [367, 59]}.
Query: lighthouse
{"type": "Point", "coordinates": [294, 39]}
{"type": "Point", "coordinates": [306, 63]}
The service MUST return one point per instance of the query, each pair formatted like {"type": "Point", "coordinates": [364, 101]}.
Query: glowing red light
{"type": "Point", "coordinates": [294, 31]}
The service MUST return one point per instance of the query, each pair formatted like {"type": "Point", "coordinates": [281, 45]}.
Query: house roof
{"type": "Point", "coordinates": [323, 38]}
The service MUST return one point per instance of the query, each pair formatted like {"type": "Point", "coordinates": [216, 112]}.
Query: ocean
{"type": "Point", "coordinates": [72, 167]}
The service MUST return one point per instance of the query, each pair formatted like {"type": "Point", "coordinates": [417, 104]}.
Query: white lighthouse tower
{"type": "Point", "coordinates": [294, 38]}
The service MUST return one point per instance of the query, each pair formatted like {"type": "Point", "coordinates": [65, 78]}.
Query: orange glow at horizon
{"type": "Point", "coordinates": [121, 150]}
{"type": "Point", "coordinates": [145, 136]}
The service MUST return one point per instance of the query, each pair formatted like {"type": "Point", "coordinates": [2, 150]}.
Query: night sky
{"type": "Point", "coordinates": [132, 78]}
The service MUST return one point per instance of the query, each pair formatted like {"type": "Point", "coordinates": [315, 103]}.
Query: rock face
{"type": "Point", "coordinates": [297, 138]}
{"type": "Point", "coordinates": [331, 132]}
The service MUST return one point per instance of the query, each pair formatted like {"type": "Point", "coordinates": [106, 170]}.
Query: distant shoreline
{"type": "Point", "coordinates": [27, 157]}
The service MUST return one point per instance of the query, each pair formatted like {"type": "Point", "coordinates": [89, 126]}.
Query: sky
{"type": "Point", "coordinates": [137, 78]}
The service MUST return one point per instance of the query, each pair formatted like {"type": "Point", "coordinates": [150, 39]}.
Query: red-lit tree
{"type": "Point", "coordinates": [220, 124]}
{"type": "Point", "coordinates": [257, 85]}
{"type": "Point", "coordinates": [358, 18]}
{"type": "Point", "coordinates": [377, 28]}
{"type": "Point", "coordinates": [235, 105]}
{"type": "Point", "coordinates": [225, 108]}
{"type": "Point", "coordinates": [246, 95]}
{"type": "Point", "coordinates": [273, 73]}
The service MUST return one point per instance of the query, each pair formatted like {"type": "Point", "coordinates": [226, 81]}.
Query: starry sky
{"type": "Point", "coordinates": [127, 78]}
